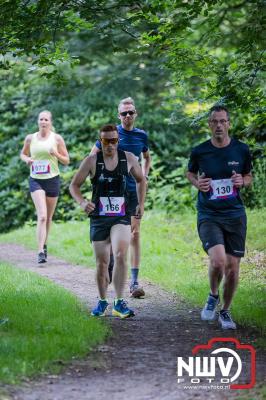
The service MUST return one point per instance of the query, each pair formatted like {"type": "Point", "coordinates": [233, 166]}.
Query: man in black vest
{"type": "Point", "coordinates": [109, 213]}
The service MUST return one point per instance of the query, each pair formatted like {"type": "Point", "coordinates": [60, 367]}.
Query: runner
{"type": "Point", "coordinates": [219, 168]}
{"type": "Point", "coordinates": [110, 213]}
{"type": "Point", "coordinates": [41, 152]}
{"type": "Point", "coordinates": [135, 141]}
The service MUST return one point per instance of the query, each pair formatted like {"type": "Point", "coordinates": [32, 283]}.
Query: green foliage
{"type": "Point", "coordinates": [174, 58]}
{"type": "Point", "coordinates": [46, 326]}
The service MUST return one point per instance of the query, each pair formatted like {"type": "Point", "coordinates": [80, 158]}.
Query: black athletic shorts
{"type": "Point", "coordinates": [100, 227]}
{"type": "Point", "coordinates": [132, 202]}
{"type": "Point", "coordinates": [231, 233]}
{"type": "Point", "coordinates": [51, 186]}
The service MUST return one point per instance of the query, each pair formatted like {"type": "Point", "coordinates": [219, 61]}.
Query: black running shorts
{"type": "Point", "coordinates": [100, 227]}
{"type": "Point", "coordinates": [51, 186]}
{"type": "Point", "coordinates": [231, 233]}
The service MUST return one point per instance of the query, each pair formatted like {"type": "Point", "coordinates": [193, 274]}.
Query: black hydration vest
{"type": "Point", "coordinates": [109, 184]}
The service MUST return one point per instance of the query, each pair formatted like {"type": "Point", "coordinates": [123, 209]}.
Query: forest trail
{"type": "Point", "coordinates": [139, 360]}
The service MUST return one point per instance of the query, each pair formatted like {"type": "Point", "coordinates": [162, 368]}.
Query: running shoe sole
{"type": "Point", "coordinates": [122, 316]}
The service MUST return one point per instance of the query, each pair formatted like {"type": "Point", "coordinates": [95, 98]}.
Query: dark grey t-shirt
{"type": "Point", "coordinates": [218, 163]}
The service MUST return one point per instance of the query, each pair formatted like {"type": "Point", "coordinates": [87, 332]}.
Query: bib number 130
{"type": "Point", "coordinates": [112, 206]}
{"type": "Point", "coordinates": [222, 189]}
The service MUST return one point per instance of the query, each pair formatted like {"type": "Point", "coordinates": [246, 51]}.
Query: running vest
{"type": "Point", "coordinates": [45, 165]}
{"type": "Point", "coordinates": [109, 187]}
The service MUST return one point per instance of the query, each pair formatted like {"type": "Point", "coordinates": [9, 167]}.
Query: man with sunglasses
{"type": "Point", "coordinates": [135, 141]}
{"type": "Point", "coordinates": [219, 168]}
{"type": "Point", "coordinates": [109, 213]}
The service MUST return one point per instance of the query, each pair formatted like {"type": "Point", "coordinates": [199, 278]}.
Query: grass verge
{"type": "Point", "coordinates": [46, 326]}
{"type": "Point", "coordinates": [172, 257]}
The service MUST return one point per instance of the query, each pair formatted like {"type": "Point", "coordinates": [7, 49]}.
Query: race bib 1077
{"type": "Point", "coordinates": [112, 206]}
{"type": "Point", "coordinates": [222, 189]}
{"type": "Point", "coordinates": [39, 167]}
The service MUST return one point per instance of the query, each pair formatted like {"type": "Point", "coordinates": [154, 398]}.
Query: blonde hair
{"type": "Point", "coordinates": [51, 118]}
{"type": "Point", "coordinates": [127, 100]}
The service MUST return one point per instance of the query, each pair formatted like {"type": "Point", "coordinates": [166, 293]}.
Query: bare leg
{"type": "Point", "coordinates": [50, 204]}
{"type": "Point", "coordinates": [102, 254]}
{"type": "Point", "coordinates": [39, 201]}
{"type": "Point", "coordinates": [120, 238]}
{"type": "Point", "coordinates": [135, 243]}
{"type": "Point", "coordinates": [217, 267]}
{"type": "Point", "coordinates": [230, 280]}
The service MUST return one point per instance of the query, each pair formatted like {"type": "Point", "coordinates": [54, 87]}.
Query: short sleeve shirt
{"type": "Point", "coordinates": [134, 141]}
{"type": "Point", "coordinates": [218, 163]}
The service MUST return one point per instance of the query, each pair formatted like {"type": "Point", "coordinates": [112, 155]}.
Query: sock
{"type": "Point", "coordinates": [104, 300]}
{"type": "Point", "coordinates": [216, 296]}
{"type": "Point", "coordinates": [116, 300]}
{"type": "Point", "coordinates": [223, 311]}
{"type": "Point", "coordinates": [134, 275]}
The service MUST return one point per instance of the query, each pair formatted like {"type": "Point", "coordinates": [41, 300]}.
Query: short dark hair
{"type": "Point", "coordinates": [219, 108]}
{"type": "Point", "coordinates": [108, 128]}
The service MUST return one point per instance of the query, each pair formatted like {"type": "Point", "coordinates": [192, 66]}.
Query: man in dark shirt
{"type": "Point", "coordinates": [134, 140]}
{"type": "Point", "coordinates": [219, 168]}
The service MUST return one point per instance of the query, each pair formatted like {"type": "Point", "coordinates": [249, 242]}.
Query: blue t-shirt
{"type": "Point", "coordinates": [134, 141]}
{"type": "Point", "coordinates": [219, 163]}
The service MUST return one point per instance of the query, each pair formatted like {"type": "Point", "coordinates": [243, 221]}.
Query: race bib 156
{"type": "Point", "coordinates": [222, 189]}
{"type": "Point", "coordinates": [39, 167]}
{"type": "Point", "coordinates": [112, 206]}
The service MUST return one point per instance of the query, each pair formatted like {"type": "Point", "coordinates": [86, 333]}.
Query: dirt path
{"type": "Point", "coordinates": [139, 361]}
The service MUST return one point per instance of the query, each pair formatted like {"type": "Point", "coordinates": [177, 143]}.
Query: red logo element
{"type": "Point", "coordinates": [238, 346]}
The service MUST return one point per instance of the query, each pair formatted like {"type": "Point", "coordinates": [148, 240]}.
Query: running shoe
{"type": "Point", "coordinates": [208, 312]}
{"type": "Point", "coordinates": [120, 309]}
{"type": "Point", "coordinates": [225, 320]}
{"type": "Point", "coordinates": [45, 251]}
{"type": "Point", "coordinates": [41, 258]}
{"type": "Point", "coordinates": [100, 309]}
{"type": "Point", "coordinates": [136, 291]}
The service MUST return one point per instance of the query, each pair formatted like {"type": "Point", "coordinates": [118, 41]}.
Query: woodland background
{"type": "Point", "coordinates": [175, 58]}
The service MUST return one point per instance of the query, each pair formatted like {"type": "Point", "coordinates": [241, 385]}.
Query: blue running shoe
{"type": "Point", "coordinates": [120, 309]}
{"type": "Point", "coordinates": [100, 309]}
{"type": "Point", "coordinates": [225, 320]}
{"type": "Point", "coordinates": [208, 312]}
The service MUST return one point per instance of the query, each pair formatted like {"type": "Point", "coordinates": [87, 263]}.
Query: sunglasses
{"type": "Point", "coordinates": [124, 113]}
{"type": "Point", "coordinates": [106, 141]}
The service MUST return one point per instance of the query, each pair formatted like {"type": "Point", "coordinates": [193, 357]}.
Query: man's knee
{"type": "Point", "coordinates": [218, 262]}
{"type": "Point", "coordinates": [232, 268]}
{"type": "Point", "coordinates": [102, 265]}
{"type": "Point", "coordinates": [120, 256]}
{"type": "Point", "coordinates": [42, 218]}
{"type": "Point", "coordinates": [135, 235]}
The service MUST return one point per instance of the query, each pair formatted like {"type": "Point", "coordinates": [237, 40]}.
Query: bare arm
{"type": "Point", "coordinates": [135, 170]}
{"type": "Point", "coordinates": [61, 152]}
{"type": "Point", "coordinates": [86, 168]}
{"type": "Point", "coordinates": [94, 150]}
{"type": "Point", "coordinates": [241, 180]}
{"type": "Point", "coordinates": [25, 152]}
{"type": "Point", "coordinates": [199, 181]}
{"type": "Point", "coordinates": [146, 165]}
